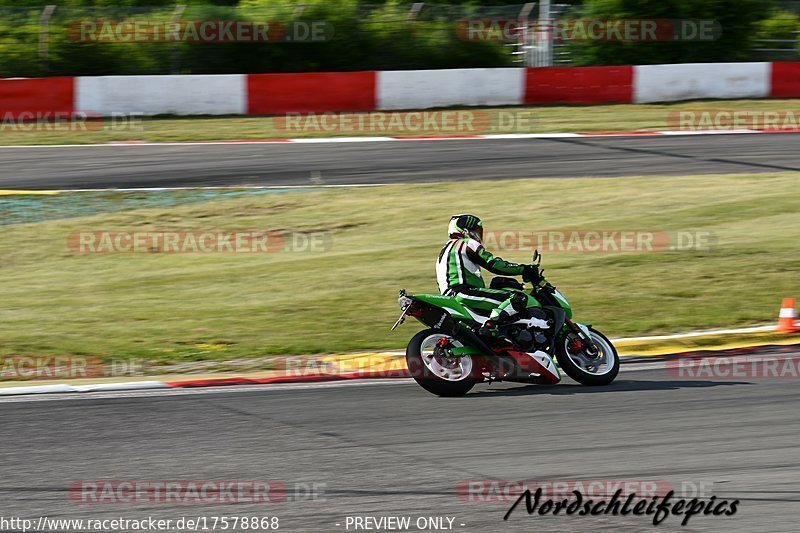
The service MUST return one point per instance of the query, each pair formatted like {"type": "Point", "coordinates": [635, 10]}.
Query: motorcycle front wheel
{"type": "Point", "coordinates": [434, 370]}
{"type": "Point", "coordinates": [600, 370]}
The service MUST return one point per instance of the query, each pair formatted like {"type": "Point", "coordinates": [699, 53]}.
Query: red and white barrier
{"type": "Point", "coordinates": [692, 81]}
{"type": "Point", "coordinates": [316, 92]}
{"type": "Point", "coordinates": [22, 97]}
{"type": "Point", "coordinates": [578, 85]}
{"type": "Point", "coordinates": [224, 94]}
{"type": "Point", "coordinates": [784, 80]}
{"type": "Point", "coordinates": [261, 94]}
{"type": "Point", "coordinates": [423, 89]}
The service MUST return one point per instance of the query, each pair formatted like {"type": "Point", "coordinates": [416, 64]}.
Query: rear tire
{"type": "Point", "coordinates": [419, 360]}
{"type": "Point", "coordinates": [581, 375]}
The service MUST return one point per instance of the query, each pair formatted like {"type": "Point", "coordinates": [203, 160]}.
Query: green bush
{"type": "Point", "coordinates": [738, 20]}
{"type": "Point", "coordinates": [364, 38]}
{"type": "Point", "coordinates": [780, 26]}
{"type": "Point", "coordinates": [19, 43]}
{"type": "Point", "coordinates": [374, 37]}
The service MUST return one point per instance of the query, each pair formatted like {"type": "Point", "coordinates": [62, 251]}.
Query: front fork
{"type": "Point", "coordinates": [584, 338]}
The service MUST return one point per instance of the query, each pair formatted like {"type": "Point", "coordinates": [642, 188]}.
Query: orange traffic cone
{"type": "Point", "coordinates": [788, 316]}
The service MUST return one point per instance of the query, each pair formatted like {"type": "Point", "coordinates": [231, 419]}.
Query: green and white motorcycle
{"type": "Point", "coordinates": [451, 355]}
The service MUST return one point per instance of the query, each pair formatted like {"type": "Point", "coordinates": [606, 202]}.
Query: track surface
{"type": "Point", "coordinates": [392, 449]}
{"type": "Point", "coordinates": [392, 162]}
{"type": "Point", "coordinates": [389, 449]}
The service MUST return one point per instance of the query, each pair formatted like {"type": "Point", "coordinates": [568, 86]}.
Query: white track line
{"type": "Point", "coordinates": [672, 336]}
{"type": "Point", "coordinates": [434, 137]}
{"type": "Point", "coordinates": [97, 387]}
{"type": "Point", "coordinates": [222, 188]}
{"type": "Point", "coordinates": [700, 333]}
{"type": "Point", "coordinates": [23, 192]}
{"type": "Point", "coordinates": [150, 385]}
{"type": "Point", "coordinates": [282, 387]}
{"type": "Point", "coordinates": [169, 391]}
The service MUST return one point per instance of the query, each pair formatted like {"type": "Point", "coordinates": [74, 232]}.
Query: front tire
{"type": "Point", "coordinates": [585, 371]}
{"type": "Point", "coordinates": [434, 371]}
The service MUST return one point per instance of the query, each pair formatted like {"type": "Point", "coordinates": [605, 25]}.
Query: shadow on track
{"type": "Point", "coordinates": [618, 386]}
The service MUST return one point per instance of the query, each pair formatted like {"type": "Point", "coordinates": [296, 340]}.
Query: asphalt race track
{"type": "Point", "coordinates": [391, 162]}
{"type": "Point", "coordinates": [389, 448]}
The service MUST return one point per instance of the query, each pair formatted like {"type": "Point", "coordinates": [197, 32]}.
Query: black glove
{"type": "Point", "coordinates": [531, 273]}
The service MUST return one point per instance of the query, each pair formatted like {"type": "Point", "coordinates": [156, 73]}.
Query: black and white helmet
{"type": "Point", "coordinates": [465, 225]}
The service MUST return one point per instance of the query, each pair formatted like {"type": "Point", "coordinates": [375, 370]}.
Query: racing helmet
{"type": "Point", "coordinates": [465, 225]}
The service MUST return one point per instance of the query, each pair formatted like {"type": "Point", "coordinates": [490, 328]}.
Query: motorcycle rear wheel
{"type": "Point", "coordinates": [436, 373]}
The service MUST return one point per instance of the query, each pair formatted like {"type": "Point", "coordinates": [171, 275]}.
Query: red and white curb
{"type": "Point", "coordinates": [416, 138]}
{"type": "Point", "coordinates": [460, 137]}
{"type": "Point", "coordinates": [325, 377]}
{"type": "Point", "coordinates": [99, 387]}
{"type": "Point", "coordinates": [62, 388]}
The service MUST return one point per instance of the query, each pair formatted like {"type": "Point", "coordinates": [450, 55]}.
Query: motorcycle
{"type": "Point", "coordinates": [452, 355]}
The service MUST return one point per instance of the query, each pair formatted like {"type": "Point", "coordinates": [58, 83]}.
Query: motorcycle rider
{"type": "Point", "coordinates": [458, 273]}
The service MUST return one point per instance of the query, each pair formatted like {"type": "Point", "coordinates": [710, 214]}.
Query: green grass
{"type": "Point", "coordinates": [541, 119]}
{"type": "Point", "coordinates": [224, 306]}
